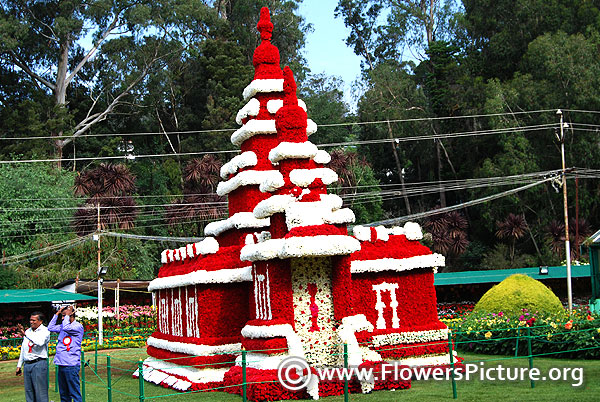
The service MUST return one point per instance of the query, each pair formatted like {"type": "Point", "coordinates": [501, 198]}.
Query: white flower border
{"type": "Point", "coordinates": [316, 213]}
{"type": "Point", "coordinates": [252, 128]}
{"type": "Point", "coordinates": [240, 220]}
{"type": "Point", "coordinates": [272, 331]}
{"type": "Point", "coordinates": [207, 246]}
{"type": "Point", "coordinates": [251, 177]}
{"type": "Point", "coordinates": [303, 177]}
{"type": "Point", "coordinates": [193, 349]}
{"type": "Point", "coordinates": [292, 150]}
{"type": "Point", "coordinates": [398, 338]}
{"type": "Point", "coordinates": [311, 127]}
{"type": "Point", "coordinates": [272, 205]}
{"type": "Point", "coordinates": [229, 275]}
{"type": "Point", "coordinates": [397, 264]}
{"type": "Point", "coordinates": [411, 230]}
{"type": "Point", "coordinates": [274, 105]}
{"type": "Point", "coordinates": [263, 85]}
{"type": "Point", "coordinates": [320, 245]}
{"type": "Point", "coordinates": [193, 375]}
{"type": "Point", "coordinates": [238, 162]}
{"type": "Point", "coordinates": [250, 109]}
{"type": "Point", "coordinates": [322, 157]}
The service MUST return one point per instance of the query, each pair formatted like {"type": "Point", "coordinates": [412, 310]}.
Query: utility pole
{"type": "Point", "coordinates": [100, 334]}
{"type": "Point", "coordinates": [564, 186]}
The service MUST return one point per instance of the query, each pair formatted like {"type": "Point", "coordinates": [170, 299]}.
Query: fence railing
{"type": "Point", "coordinates": [108, 371]}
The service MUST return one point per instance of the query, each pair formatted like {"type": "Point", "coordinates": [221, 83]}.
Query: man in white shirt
{"type": "Point", "coordinates": [34, 358]}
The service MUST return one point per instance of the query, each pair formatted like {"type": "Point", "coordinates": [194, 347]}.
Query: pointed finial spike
{"type": "Point", "coordinates": [289, 87]}
{"type": "Point", "coordinates": [265, 26]}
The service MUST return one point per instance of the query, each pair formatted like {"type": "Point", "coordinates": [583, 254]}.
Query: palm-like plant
{"type": "Point", "coordinates": [579, 229]}
{"type": "Point", "coordinates": [199, 201]}
{"type": "Point", "coordinates": [109, 187]}
{"type": "Point", "coordinates": [512, 228]}
{"type": "Point", "coordinates": [448, 232]}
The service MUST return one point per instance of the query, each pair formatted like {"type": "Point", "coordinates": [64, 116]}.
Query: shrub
{"type": "Point", "coordinates": [518, 292]}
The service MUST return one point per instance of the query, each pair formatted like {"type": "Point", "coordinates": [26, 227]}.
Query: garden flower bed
{"type": "Point", "coordinates": [566, 336]}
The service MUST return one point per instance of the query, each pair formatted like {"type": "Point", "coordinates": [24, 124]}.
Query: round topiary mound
{"type": "Point", "coordinates": [517, 292]}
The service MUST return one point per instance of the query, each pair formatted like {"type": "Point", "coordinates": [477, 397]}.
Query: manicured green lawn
{"type": "Point", "coordinates": [124, 362]}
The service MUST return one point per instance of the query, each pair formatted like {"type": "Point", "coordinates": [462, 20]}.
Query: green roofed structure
{"type": "Point", "coordinates": [593, 244]}
{"type": "Point", "coordinates": [40, 296]}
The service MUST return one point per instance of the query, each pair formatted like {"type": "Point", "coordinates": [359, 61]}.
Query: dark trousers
{"type": "Point", "coordinates": [36, 381]}
{"type": "Point", "coordinates": [68, 383]}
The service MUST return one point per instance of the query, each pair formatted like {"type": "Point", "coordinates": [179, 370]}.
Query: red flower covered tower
{"type": "Point", "coordinates": [281, 276]}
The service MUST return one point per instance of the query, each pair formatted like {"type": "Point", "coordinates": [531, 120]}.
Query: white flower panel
{"type": "Point", "coordinates": [274, 105]}
{"type": "Point", "coordinates": [263, 85]}
{"type": "Point", "coordinates": [322, 157]}
{"type": "Point", "coordinates": [311, 127]}
{"type": "Point", "coordinates": [193, 349]}
{"type": "Point", "coordinates": [238, 162]}
{"type": "Point", "coordinates": [272, 182]}
{"type": "Point", "coordinates": [240, 220]}
{"type": "Point", "coordinates": [303, 177]}
{"type": "Point", "coordinates": [201, 276]}
{"type": "Point", "coordinates": [272, 205]}
{"type": "Point", "coordinates": [250, 109]}
{"type": "Point", "coordinates": [250, 177]}
{"type": "Point", "coordinates": [397, 264]}
{"type": "Point", "coordinates": [252, 128]}
{"type": "Point", "coordinates": [292, 150]}
{"type": "Point", "coordinates": [410, 337]}
{"type": "Point", "coordinates": [313, 246]}
{"type": "Point", "coordinates": [340, 216]}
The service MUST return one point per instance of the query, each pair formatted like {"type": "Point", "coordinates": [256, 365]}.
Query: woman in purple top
{"type": "Point", "coordinates": [68, 353]}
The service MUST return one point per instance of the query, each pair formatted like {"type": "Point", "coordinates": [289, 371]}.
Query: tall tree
{"type": "Point", "coordinates": [104, 48]}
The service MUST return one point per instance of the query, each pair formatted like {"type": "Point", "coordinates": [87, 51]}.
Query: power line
{"type": "Point", "coordinates": [346, 144]}
{"type": "Point", "coordinates": [161, 133]}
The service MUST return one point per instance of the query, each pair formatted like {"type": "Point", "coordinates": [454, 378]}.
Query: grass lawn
{"type": "Point", "coordinates": [124, 362]}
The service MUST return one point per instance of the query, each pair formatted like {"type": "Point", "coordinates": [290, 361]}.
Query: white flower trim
{"type": "Point", "coordinates": [311, 127]}
{"type": "Point", "coordinates": [395, 264]}
{"type": "Point", "coordinates": [272, 182]}
{"type": "Point", "coordinates": [426, 361]}
{"type": "Point", "coordinates": [272, 205]}
{"type": "Point", "coordinates": [363, 233]}
{"type": "Point", "coordinates": [413, 231]}
{"type": "Point", "coordinates": [252, 128]}
{"type": "Point", "coordinates": [399, 338]}
{"type": "Point", "coordinates": [322, 157]}
{"type": "Point", "coordinates": [346, 332]}
{"type": "Point", "coordinates": [240, 220]}
{"type": "Point", "coordinates": [317, 213]}
{"type": "Point", "coordinates": [238, 162]}
{"type": "Point", "coordinates": [206, 246]}
{"type": "Point", "coordinates": [249, 177]}
{"type": "Point", "coordinates": [334, 201]}
{"type": "Point", "coordinates": [272, 331]}
{"type": "Point", "coordinates": [340, 216]}
{"type": "Point", "coordinates": [274, 105]}
{"type": "Point", "coordinates": [230, 275]}
{"type": "Point", "coordinates": [193, 375]}
{"type": "Point", "coordinates": [193, 349]}
{"type": "Point", "coordinates": [263, 85]}
{"type": "Point", "coordinates": [303, 177]}
{"type": "Point", "coordinates": [292, 150]}
{"type": "Point", "coordinates": [250, 109]}
{"type": "Point", "coordinates": [320, 245]}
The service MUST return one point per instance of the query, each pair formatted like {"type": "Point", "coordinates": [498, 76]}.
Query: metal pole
{"type": "Point", "coordinates": [451, 349]}
{"type": "Point", "coordinates": [566, 212]}
{"type": "Point", "coordinates": [530, 354]}
{"type": "Point", "coordinates": [82, 376]}
{"type": "Point", "coordinates": [244, 386]}
{"type": "Point", "coordinates": [96, 355]}
{"type": "Point", "coordinates": [108, 378]}
{"type": "Point", "coordinates": [99, 284]}
{"type": "Point", "coordinates": [141, 377]}
{"type": "Point", "coordinates": [346, 374]}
